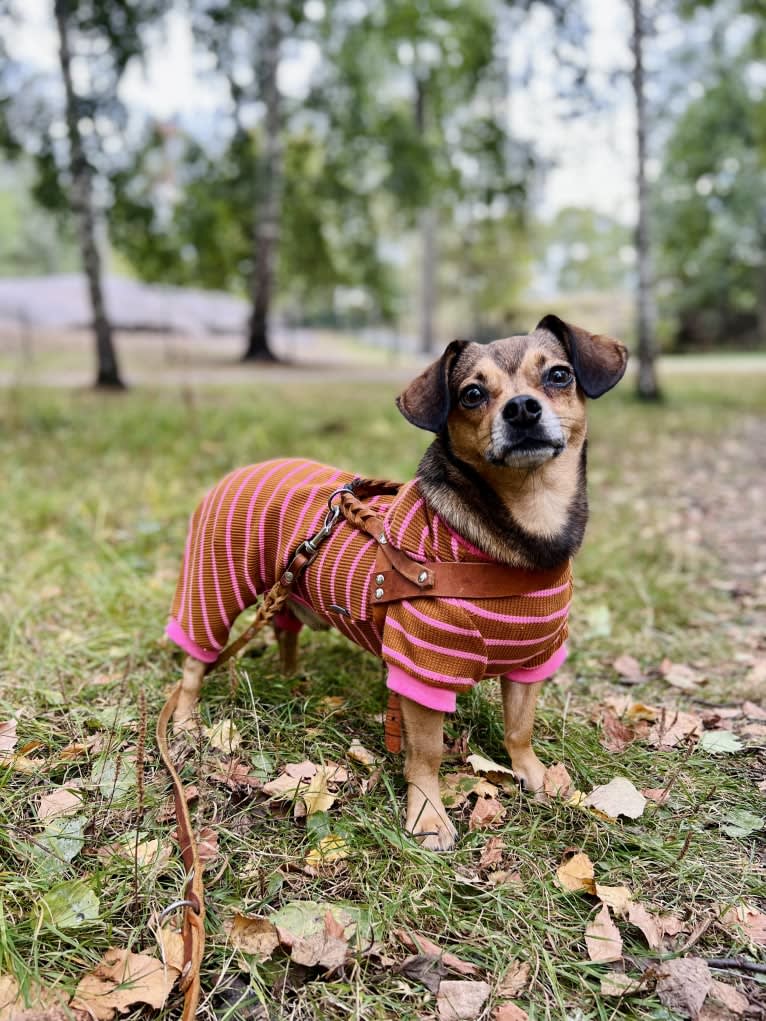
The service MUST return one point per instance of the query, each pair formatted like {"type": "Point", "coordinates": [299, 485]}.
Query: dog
{"type": "Point", "coordinates": [503, 482]}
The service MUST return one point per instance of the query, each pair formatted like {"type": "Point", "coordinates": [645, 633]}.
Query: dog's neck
{"type": "Point", "coordinates": [515, 517]}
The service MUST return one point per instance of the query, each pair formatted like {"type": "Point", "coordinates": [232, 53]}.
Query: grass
{"type": "Point", "coordinates": [97, 492]}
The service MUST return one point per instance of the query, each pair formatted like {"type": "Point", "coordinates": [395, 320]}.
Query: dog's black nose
{"type": "Point", "coordinates": [523, 411]}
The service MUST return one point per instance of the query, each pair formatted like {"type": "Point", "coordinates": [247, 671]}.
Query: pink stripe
{"type": "Point", "coordinates": [457, 653]}
{"type": "Point", "coordinates": [525, 641]}
{"type": "Point", "coordinates": [437, 551]}
{"type": "Point", "coordinates": [229, 519]}
{"type": "Point", "coordinates": [543, 672]}
{"type": "Point", "coordinates": [307, 503]}
{"type": "Point", "coordinates": [277, 465]}
{"type": "Point", "coordinates": [176, 634]}
{"type": "Point", "coordinates": [187, 554]}
{"type": "Point", "coordinates": [193, 562]}
{"type": "Point", "coordinates": [354, 566]}
{"type": "Point", "coordinates": [352, 534]}
{"type": "Point", "coordinates": [301, 465]}
{"type": "Point", "coordinates": [388, 652]}
{"type": "Point", "coordinates": [200, 576]}
{"type": "Point", "coordinates": [422, 544]}
{"type": "Point", "coordinates": [440, 699]}
{"type": "Point", "coordinates": [454, 545]}
{"type": "Point", "coordinates": [546, 591]}
{"type": "Point", "coordinates": [469, 547]}
{"type": "Point", "coordinates": [505, 618]}
{"type": "Point", "coordinates": [408, 517]}
{"type": "Point", "coordinates": [452, 628]}
{"type": "Point", "coordinates": [214, 558]}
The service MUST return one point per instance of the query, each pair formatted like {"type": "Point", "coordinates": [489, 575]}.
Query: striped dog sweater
{"type": "Point", "coordinates": [242, 536]}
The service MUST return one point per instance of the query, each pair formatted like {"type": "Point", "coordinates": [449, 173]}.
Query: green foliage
{"type": "Point", "coordinates": [31, 241]}
{"type": "Point", "coordinates": [586, 250]}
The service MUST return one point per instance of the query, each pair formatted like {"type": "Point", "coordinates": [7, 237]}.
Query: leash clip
{"type": "Point", "coordinates": [309, 548]}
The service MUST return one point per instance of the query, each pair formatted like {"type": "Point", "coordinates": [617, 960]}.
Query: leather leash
{"type": "Point", "coordinates": [396, 577]}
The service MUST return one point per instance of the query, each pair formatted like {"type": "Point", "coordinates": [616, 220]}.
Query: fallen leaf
{"type": "Point", "coordinates": [747, 920]}
{"type": "Point", "coordinates": [35, 1003]}
{"type": "Point", "coordinates": [8, 736]}
{"type": "Point", "coordinates": [237, 776]}
{"type": "Point", "coordinates": [358, 753]}
{"type": "Point", "coordinates": [303, 918]}
{"type": "Point", "coordinates": [556, 781]}
{"type": "Point", "coordinates": [617, 984]}
{"type": "Point", "coordinates": [719, 742]}
{"type": "Point", "coordinates": [480, 764]}
{"type": "Point", "coordinates": [509, 1012]}
{"type": "Point", "coordinates": [515, 980]}
{"type": "Point", "coordinates": [674, 728]}
{"type": "Point", "coordinates": [224, 736]}
{"type": "Point", "coordinates": [316, 797]}
{"type": "Point", "coordinates": [576, 873]}
{"type": "Point", "coordinates": [754, 730]}
{"type": "Point", "coordinates": [69, 904]}
{"type": "Point", "coordinates": [680, 675]}
{"type": "Point", "coordinates": [616, 897]}
{"type": "Point", "coordinates": [740, 823]}
{"type": "Point", "coordinates": [750, 709]}
{"type": "Point", "coordinates": [648, 924]}
{"type": "Point", "coordinates": [121, 980]}
{"type": "Point", "coordinates": [207, 844]}
{"type": "Point", "coordinates": [629, 668]}
{"type": "Point", "coordinates": [425, 969]}
{"type": "Point", "coordinates": [727, 996]}
{"type": "Point", "coordinates": [616, 736]}
{"type": "Point", "coordinates": [602, 938]}
{"type": "Point", "coordinates": [492, 853]}
{"type": "Point", "coordinates": [61, 840]}
{"type": "Point", "coordinates": [487, 813]}
{"type": "Point", "coordinates": [670, 924]}
{"type": "Point", "coordinates": [326, 948]}
{"type": "Point", "coordinates": [254, 935]}
{"type": "Point", "coordinates": [618, 797]}
{"type": "Point", "coordinates": [23, 764]}
{"type": "Point", "coordinates": [683, 984]}
{"type": "Point", "coordinates": [461, 1000]}
{"type": "Point", "coordinates": [330, 850]}
{"type": "Point", "coordinates": [637, 712]}
{"type": "Point", "coordinates": [61, 801]}
{"type": "Point", "coordinates": [501, 877]}
{"type": "Point", "coordinates": [167, 810]}
{"type": "Point", "coordinates": [423, 945]}
{"type": "Point", "coordinates": [455, 788]}
{"type": "Point", "coordinates": [170, 943]}
{"type": "Point", "coordinates": [659, 795]}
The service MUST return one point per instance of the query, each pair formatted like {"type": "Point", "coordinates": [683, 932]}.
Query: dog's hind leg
{"type": "Point", "coordinates": [519, 701]}
{"type": "Point", "coordinates": [185, 713]}
{"type": "Point", "coordinates": [288, 650]}
{"type": "Point", "coordinates": [427, 818]}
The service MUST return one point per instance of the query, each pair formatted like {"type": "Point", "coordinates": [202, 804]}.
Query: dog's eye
{"type": "Point", "coordinates": [559, 375]}
{"type": "Point", "coordinates": [472, 396]}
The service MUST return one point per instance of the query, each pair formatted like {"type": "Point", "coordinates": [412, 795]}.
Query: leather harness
{"type": "Point", "coordinates": [396, 577]}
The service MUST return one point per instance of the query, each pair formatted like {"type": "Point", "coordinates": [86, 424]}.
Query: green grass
{"type": "Point", "coordinates": [96, 494]}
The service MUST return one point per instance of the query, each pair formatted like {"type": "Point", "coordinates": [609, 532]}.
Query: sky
{"type": "Point", "coordinates": [592, 156]}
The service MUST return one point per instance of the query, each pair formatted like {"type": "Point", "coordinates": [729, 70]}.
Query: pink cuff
{"type": "Point", "coordinates": [286, 620]}
{"type": "Point", "coordinates": [424, 694]}
{"type": "Point", "coordinates": [540, 673]}
{"type": "Point", "coordinates": [176, 633]}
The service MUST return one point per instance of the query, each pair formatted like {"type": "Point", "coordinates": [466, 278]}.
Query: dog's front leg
{"type": "Point", "coordinates": [519, 701]}
{"type": "Point", "coordinates": [427, 818]}
{"type": "Point", "coordinates": [185, 712]}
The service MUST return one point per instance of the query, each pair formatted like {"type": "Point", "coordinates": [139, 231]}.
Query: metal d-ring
{"type": "Point", "coordinates": [184, 903]}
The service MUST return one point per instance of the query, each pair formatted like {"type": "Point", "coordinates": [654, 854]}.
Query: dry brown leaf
{"type": "Point", "coordinates": [254, 935]}
{"type": "Point", "coordinates": [616, 736]}
{"type": "Point", "coordinates": [456, 788]}
{"type": "Point", "coordinates": [637, 712]}
{"type": "Point", "coordinates": [461, 1000]}
{"type": "Point", "coordinates": [35, 1004]}
{"type": "Point", "coordinates": [329, 851]}
{"type": "Point", "coordinates": [509, 1012]}
{"type": "Point", "coordinates": [326, 949]}
{"type": "Point", "coordinates": [492, 853]}
{"type": "Point", "coordinates": [629, 668]}
{"type": "Point", "coordinates": [602, 938]}
{"type": "Point", "coordinates": [487, 813]}
{"type": "Point", "coordinates": [170, 943]}
{"type": "Point", "coordinates": [315, 798]}
{"type": "Point", "coordinates": [617, 984]}
{"type": "Point", "coordinates": [61, 801]}
{"type": "Point", "coordinates": [618, 898]}
{"type": "Point", "coordinates": [618, 797]}
{"type": "Point", "coordinates": [480, 764]}
{"type": "Point", "coordinates": [729, 997]}
{"type": "Point", "coordinates": [167, 810]}
{"type": "Point", "coordinates": [751, 709]}
{"type": "Point", "coordinates": [557, 782]}
{"type": "Point", "coordinates": [23, 764]}
{"type": "Point", "coordinates": [121, 980]}
{"type": "Point", "coordinates": [659, 795]}
{"type": "Point", "coordinates": [224, 736]}
{"type": "Point", "coordinates": [648, 924]}
{"type": "Point", "coordinates": [236, 776]}
{"type": "Point", "coordinates": [515, 980]}
{"type": "Point", "coordinates": [753, 730]}
{"type": "Point", "coordinates": [8, 736]}
{"type": "Point", "coordinates": [423, 945]}
{"type": "Point", "coordinates": [670, 924]}
{"type": "Point", "coordinates": [748, 920]}
{"type": "Point", "coordinates": [503, 876]}
{"type": "Point", "coordinates": [680, 675]}
{"type": "Point", "coordinates": [676, 727]}
{"type": "Point", "coordinates": [576, 873]}
{"type": "Point", "coordinates": [358, 753]}
{"type": "Point", "coordinates": [683, 984]}
{"type": "Point", "coordinates": [207, 844]}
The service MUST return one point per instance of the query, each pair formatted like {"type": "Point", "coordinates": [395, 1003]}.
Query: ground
{"type": "Point", "coordinates": [97, 491]}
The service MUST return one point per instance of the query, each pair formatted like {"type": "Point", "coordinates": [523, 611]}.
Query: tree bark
{"type": "Point", "coordinates": [269, 198]}
{"type": "Point", "coordinates": [648, 388]}
{"type": "Point", "coordinates": [107, 368]}
{"type": "Point", "coordinates": [427, 222]}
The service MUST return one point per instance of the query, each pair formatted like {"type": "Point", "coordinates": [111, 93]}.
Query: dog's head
{"type": "Point", "coordinates": [517, 402]}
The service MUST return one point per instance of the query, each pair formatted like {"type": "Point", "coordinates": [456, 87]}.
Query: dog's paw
{"type": "Point", "coordinates": [432, 830]}
{"type": "Point", "coordinates": [531, 774]}
{"type": "Point", "coordinates": [187, 721]}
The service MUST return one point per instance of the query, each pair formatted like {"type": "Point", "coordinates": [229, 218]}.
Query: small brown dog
{"type": "Point", "coordinates": [502, 483]}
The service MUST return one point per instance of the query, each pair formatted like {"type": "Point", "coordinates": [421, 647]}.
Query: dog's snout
{"type": "Point", "coordinates": [523, 411]}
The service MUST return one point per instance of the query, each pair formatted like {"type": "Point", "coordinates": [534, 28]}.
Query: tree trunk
{"type": "Point", "coordinates": [648, 388]}
{"type": "Point", "coordinates": [427, 229]}
{"type": "Point", "coordinates": [108, 372]}
{"type": "Point", "coordinates": [269, 197]}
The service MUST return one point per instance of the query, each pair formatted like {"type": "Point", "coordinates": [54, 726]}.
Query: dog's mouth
{"type": "Point", "coordinates": [525, 451]}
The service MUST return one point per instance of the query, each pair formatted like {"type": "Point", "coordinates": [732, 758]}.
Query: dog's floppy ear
{"type": "Point", "coordinates": [426, 401]}
{"type": "Point", "coordinates": [598, 362]}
